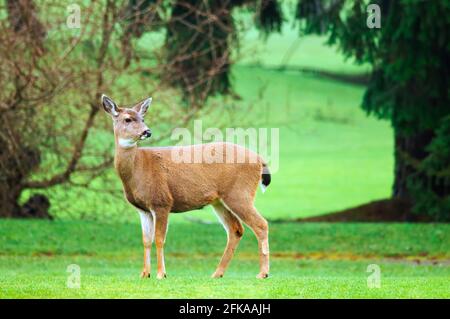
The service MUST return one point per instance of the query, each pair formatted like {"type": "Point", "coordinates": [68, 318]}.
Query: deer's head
{"type": "Point", "coordinates": [129, 126]}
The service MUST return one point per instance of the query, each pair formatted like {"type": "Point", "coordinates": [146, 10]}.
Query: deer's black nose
{"type": "Point", "coordinates": [146, 134]}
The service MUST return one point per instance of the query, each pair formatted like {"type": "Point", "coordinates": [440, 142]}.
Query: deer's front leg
{"type": "Point", "coordinates": [148, 234]}
{"type": "Point", "coordinates": [160, 232]}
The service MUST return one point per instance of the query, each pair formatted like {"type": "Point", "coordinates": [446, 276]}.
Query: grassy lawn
{"type": "Point", "coordinates": [308, 261]}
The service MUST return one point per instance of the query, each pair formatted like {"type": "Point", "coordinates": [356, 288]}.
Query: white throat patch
{"type": "Point", "coordinates": [126, 142]}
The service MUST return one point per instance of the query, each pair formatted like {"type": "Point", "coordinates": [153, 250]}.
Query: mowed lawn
{"type": "Point", "coordinates": [317, 260]}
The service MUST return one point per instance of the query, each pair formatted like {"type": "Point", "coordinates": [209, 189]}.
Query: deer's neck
{"type": "Point", "coordinates": [125, 160]}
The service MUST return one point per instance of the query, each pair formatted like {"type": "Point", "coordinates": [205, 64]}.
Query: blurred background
{"type": "Point", "coordinates": [360, 95]}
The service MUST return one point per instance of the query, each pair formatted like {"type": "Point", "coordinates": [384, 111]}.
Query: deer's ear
{"type": "Point", "coordinates": [109, 106]}
{"type": "Point", "coordinates": [143, 106]}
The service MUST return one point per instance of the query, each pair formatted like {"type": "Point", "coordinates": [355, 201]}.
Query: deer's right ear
{"type": "Point", "coordinates": [109, 106]}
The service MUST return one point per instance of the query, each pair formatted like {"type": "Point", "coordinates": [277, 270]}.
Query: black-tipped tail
{"type": "Point", "coordinates": [265, 176]}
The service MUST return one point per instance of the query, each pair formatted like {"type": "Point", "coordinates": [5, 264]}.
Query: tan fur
{"type": "Point", "coordinates": [154, 182]}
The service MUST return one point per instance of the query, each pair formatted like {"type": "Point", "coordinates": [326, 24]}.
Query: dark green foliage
{"type": "Point", "coordinates": [198, 48]}
{"type": "Point", "coordinates": [429, 185]}
{"type": "Point", "coordinates": [438, 162]}
{"type": "Point", "coordinates": [270, 16]}
{"type": "Point", "coordinates": [318, 16]}
{"type": "Point", "coordinates": [413, 72]}
{"type": "Point", "coordinates": [409, 54]}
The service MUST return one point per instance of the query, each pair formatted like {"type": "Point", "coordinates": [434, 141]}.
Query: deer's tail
{"type": "Point", "coordinates": [265, 177]}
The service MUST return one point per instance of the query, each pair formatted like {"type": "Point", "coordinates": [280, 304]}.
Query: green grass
{"type": "Point", "coordinates": [308, 261]}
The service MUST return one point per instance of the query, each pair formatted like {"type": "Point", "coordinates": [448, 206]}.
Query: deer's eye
{"type": "Point", "coordinates": [128, 120]}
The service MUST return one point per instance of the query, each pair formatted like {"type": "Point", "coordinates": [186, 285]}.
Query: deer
{"type": "Point", "coordinates": [156, 185]}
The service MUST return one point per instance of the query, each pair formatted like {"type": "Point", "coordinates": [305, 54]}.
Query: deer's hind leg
{"type": "Point", "coordinates": [241, 204]}
{"type": "Point", "coordinates": [234, 230]}
{"type": "Point", "coordinates": [161, 222]}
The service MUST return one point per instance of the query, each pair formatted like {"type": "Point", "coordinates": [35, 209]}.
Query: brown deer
{"type": "Point", "coordinates": [157, 184]}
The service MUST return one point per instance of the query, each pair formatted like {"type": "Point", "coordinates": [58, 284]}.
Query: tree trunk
{"type": "Point", "coordinates": [36, 207]}
{"type": "Point", "coordinates": [408, 148]}
{"type": "Point", "coordinates": [16, 164]}
{"type": "Point", "coordinates": [9, 198]}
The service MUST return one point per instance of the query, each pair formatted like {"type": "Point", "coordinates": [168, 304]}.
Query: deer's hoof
{"type": "Point", "coordinates": [217, 275]}
{"type": "Point", "coordinates": [161, 276]}
{"type": "Point", "coordinates": [262, 275]}
{"type": "Point", "coordinates": [145, 274]}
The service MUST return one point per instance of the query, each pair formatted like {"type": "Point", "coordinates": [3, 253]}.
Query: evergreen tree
{"type": "Point", "coordinates": [410, 56]}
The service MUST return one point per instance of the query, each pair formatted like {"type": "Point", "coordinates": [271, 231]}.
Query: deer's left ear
{"type": "Point", "coordinates": [143, 106]}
